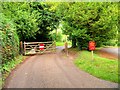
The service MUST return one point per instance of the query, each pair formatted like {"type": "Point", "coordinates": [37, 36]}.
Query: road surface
{"type": "Point", "coordinates": [114, 51]}
{"type": "Point", "coordinates": [53, 71]}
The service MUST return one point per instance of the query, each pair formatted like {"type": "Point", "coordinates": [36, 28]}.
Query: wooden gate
{"type": "Point", "coordinates": [34, 47]}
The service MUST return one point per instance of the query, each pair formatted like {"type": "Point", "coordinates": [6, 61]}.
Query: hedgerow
{"type": "Point", "coordinates": [9, 41]}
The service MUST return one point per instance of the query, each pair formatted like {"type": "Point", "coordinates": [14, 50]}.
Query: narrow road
{"type": "Point", "coordinates": [114, 51]}
{"type": "Point", "coordinates": [53, 71]}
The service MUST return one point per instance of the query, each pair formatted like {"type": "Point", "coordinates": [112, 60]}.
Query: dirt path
{"type": "Point", "coordinates": [53, 71]}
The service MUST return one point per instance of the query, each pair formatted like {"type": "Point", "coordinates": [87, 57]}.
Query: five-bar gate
{"type": "Point", "coordinates": [38, 47]}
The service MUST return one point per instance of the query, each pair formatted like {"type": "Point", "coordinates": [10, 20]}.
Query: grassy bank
{"type": "Point", "coordinates": [6, 68]}
{"type": "Point", "coordinates": [100, 67]}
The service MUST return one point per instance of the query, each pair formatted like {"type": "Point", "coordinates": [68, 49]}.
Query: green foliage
{"type": "Point", "coordinates": [9, 41]}
{"type": "Point", "coordinates": [101, 67]}
{"type": "Point", "coordinates": [118, 44]}
{"type": "Point", "coordinates": [90, 20]}
{"type": "Point", "coordinates": [63, 43]}
{"type": "Point", "coordinates": [11, 64]}
{"type": "Point", "coordinates": [111, 43]}
{"type": "Point", "coordinates": [1, 83]}
{"type": "Point", "coordinates": [48, 20]}
{"type": "Point", "coordinates": [9, 44]}
{"type": "Point", "coordinates": [8, 66]}
{"type": "Point", "coordinates": [60, 43]}
{"type": "Point", "coordinates": [25, 20]}
{"type": "Point", "coordinates": [57, 37]}
{"type": "Point", "coordinates": [32, 19]}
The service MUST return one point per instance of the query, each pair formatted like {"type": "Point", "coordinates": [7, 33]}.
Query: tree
{"type": "Point", "coordinates": [33, 20]}
{"type": "Point", "coordinates": [90, 21]}
{"type": "Point", "coordinates": [25, 20]}
{"type": "Point", "coordinates": [48, 20]}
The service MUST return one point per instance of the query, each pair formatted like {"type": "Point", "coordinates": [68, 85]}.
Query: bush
{"type": "Point", "coordinates": [57, 37]}
{"type": "Point", "coordinates": [110, 43]}
{"type": "Point", "coordinates": [82, 43]}
{"type": "Point", "coordinates": [118, 44]}
{"type": "Point", "coordinates": [9, 41]}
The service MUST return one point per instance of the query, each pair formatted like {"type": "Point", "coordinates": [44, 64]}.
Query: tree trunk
{"type": "Point", "coordinates": [73, 42]}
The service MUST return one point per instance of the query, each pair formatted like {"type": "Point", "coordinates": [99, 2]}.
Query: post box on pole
{"type": "Point", "coordinates": [92, 47]}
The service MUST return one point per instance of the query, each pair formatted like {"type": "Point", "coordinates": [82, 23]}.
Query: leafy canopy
{"type": "Point", "coordinates": [90, 20]}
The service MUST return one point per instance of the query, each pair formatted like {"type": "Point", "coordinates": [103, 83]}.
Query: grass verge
{"type": "Point", "coordinates": [62, 43]}
{"type": "Point", "coordinates": [0, 83]}
{"type": "Point", "coordinates": [103, 68]}
{"type": "Point", "coordinates": [6, 68]}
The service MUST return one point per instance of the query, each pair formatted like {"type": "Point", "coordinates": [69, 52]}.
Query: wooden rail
{"type": "Point", "coordinates": [33, 47]}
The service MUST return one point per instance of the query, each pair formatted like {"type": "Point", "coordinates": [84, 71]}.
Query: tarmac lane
{"type": "Point", "coordinates": [53, 71]}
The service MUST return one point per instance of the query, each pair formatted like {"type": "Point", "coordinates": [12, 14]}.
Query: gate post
{"type": "Point", "coordinates": [21, 47]}
{"type": "Point", "coordinates": [24, 48]}
{"type": "Point", "coordinates": [54, 46]}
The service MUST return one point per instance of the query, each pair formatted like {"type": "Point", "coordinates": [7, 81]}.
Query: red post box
{"type": "Point", "coordinates": [92, 45]}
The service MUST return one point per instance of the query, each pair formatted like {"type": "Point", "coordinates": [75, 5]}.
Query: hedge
{"type": "Point", "coordinates": [9, 41]}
